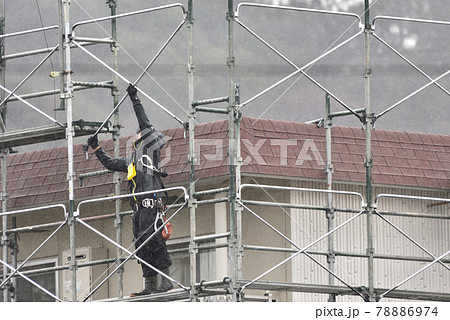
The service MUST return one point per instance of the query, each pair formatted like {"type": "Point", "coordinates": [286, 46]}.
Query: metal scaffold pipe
{"type": "Point", "coordinates": [128, 14]}
{"type": "Point", "coordinates": [296, 67]}
{"type": "Point", "coordinates": [133, 254]}
{"type": "Point", "coordinates": [31, 106]}
{"type": "Point", "coordinates": [37, 285]}
{"type": "Point", "coordinates": [138, 78]}
{"type": "Point", "coordinates": [67, 93]}
{"type": "Point", "coordinates": [192, 204]}
{"type": "Point", "coordinates": [300, 70]}
{"type": "Point", "coordinates": [127, 81]}
{"type": "Point", "coordinates": [257, 5]}
{"type": "Point", "coordinates": [20, 33]}
{"type": "Point", "coordinates": [369, 121]}
{"type": "Point", "coordinates": [28, 76]}
{"type": "Point", "coordinates": [4, 154]}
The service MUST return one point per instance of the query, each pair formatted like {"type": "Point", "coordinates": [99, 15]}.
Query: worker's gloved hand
{"type": "Point", "coordinates": [93, 142]}
{"type": "Point", "coordinates": [132, 92]}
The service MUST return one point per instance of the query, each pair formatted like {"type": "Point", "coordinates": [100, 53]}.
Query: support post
{"type": "Point", "coordinates": [192, 200]}
{"type": "Point", "coordinates": [67, 97]}
{"type": "Point", "coordinates": [2, 67]}
{"type": "Point", "coordinates": [369, 120]}
{"type": "Point", "coordinates": [330, 211]}
{"type": "Point", "coordinates": [232, 155]}
{"type": "Point", "coordinates": [220, 223]}
{"type": "Point", "coordinates": [14, 246]}
{"type": "Point", "coordinates": [4, 237]}
{"type": "Point", "coordinates": [116, 138]}
{"type": "Point", "coordinates": [238, 207]}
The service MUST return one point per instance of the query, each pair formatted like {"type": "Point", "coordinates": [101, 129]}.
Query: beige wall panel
{"type": "Point", "coordinates": [433, 234]}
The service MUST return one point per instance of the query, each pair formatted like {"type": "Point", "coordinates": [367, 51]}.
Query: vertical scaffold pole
{"type": "Point", "coordinates": [232, 154]}
{"type": "Point", "coordinates": [192, 201]}
{"type": "Point", "coordinates": [238, 208]}
{"type": "Point", "coordinates": [369, 120]}
{"type": "Point", "coordinates": [4, 237]}
{"type": "Point", "coordinates": [14, 246]}
{"type": "Point", "coordinates": [4, 154]}
{"type": "Point", "coordinates": [330, 212]}
{"type": "Point", "coordinates": [67, 97]}
{"type": "Point", "coordinates": [116, 138]}
{"type": "Point", "coordinates": [2, 65]}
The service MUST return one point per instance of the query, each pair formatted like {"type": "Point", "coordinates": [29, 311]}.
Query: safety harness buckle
{"type": "Point", "coordinates": [148, 203]}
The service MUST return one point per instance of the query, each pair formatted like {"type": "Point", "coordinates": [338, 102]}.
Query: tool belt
{"type": "Point", "coordinates": [149, 203]}
{"type": "Point", "coordinates": [160, 214]}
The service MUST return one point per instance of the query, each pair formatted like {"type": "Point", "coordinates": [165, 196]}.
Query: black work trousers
{"type": "Point", "coordinates": [154, 251]}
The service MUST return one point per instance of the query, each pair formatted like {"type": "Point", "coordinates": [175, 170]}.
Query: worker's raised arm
{"type": "Point", "coordinates": [138, 108]}
{"type": "Point", "coordinates": [112, 164]}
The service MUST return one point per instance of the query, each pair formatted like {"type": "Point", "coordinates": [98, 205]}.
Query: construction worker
{"type": "Point", "coordinates": [143, 175]}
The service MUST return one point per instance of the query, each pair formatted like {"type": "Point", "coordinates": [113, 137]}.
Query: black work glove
{"type": "Point", "coordinates": [132, 92]}
{"type": "Point", "coordinates": [93, 142]}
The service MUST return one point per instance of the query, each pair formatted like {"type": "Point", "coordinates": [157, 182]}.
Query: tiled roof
{"type": "Point", "coordinates": [269, 148]}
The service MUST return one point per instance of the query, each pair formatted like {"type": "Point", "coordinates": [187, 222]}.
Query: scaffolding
{"type": "Point", "coordinates": [233, 286]}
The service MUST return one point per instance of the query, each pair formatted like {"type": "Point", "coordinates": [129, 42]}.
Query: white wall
{"type": "Point", "coordinates": [433, 234]}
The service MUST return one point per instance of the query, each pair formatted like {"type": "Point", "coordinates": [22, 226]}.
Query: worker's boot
{"type": "Point", "coordinates": [150, 287]}
{"type": "Point", "coordinates": [166, 284]}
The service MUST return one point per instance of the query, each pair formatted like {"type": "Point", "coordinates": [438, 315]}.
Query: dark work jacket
{"type": "Point", "coordinates": [149, 144]}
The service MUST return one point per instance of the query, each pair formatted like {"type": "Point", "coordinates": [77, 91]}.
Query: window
{"type": "Point", "coordinates": [28, 292]}
{"type": "Point", "coordinates": [205, 265]}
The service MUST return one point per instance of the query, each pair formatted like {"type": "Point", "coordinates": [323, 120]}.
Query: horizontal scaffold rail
{"type": "Point", "coordinates": [15, 271]}
{"type": "Point", "coordinates": [260, 186]}
{"type": "Point", "coordinates": [45, 133]}
{"type": "Point", "coordinates": [132, 254]}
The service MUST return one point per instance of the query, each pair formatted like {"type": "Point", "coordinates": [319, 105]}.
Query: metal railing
{"type": "Point", "coordinates": [17, 270]}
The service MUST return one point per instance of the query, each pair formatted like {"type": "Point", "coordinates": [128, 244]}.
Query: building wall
{"type": "Point", "coordinates": [433, 234]}
{"type": "Point", "coordinates": [299, 225]}
{"type": "Point", "coordinates": [84, 237]}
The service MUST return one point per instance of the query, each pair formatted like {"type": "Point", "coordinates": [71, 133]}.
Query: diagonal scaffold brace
{"type": "Point", "coordinates": [184, 124]}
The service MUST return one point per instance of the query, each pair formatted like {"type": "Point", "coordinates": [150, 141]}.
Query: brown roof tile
{"type": "Point", "coordinates": [403, 137]}
{"type": "Point", "coordinates": [382, 151]}
{"type": "Point", "coordinates": [37, 190]}
{"type": "Point", "coordinates": [445, 184]}
{"type": "Point", "coordinates": [411, 172]}
{"type": "Point", "coordinates": [405, 181]}
{"type": "Point", "coordinates": [435, 174]}
{"type": "Point", "coordinates": [25, 201]}
{"type": "Point", "coordinates": [392, 136]}
{"type": "Point", "coordinates": [14, 159]}
{"type": "Point", "coordinates": [414, 137]}
{"type": "Point", "coordinates": [426, 155]}
{"type": "Point", "coordinates": [389, 170]}
{"type": "Point", "coordinates": [428, 183]}
{"type": "Point", "coordinates": [383, 179]}
{"type": "Point", "coordinates": [357, 177]}
{"type": "Point", "coordinates": [400, 158]}
{"type": "Point", "coordinates": [356, 149]}
{"type": "Point", "coordinates": [404, 153]}
{"type": "Point", "coordinates": [15, 184]}
{"type": "Point", "coordinates": [397, 162]}
{"type": "Point", "coordinates": [443, 156]}
{"type": "Point", "coordinates": [44, 198]}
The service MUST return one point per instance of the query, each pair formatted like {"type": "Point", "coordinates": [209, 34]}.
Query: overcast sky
{"type": "Point", "coordinates": [300, 37]}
